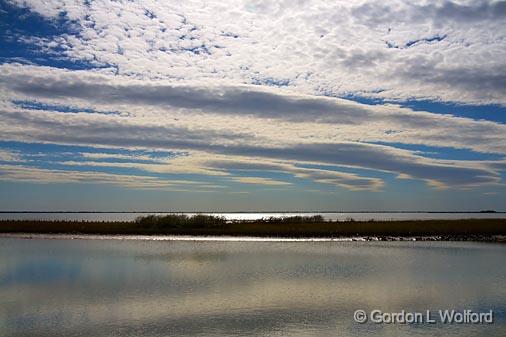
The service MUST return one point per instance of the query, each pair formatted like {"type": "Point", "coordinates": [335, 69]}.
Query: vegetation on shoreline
{"type": "Point", "coordinates": [296, 227]}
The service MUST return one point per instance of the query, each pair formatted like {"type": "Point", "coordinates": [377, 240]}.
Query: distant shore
{"type": "Point", "coordinates": [489, 230]}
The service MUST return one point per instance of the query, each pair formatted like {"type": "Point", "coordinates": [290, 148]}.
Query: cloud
{"type": "Point", "coordinates": [383, 158]}
{"type": "Point", "coordinates": [259, 181]}
{"type": "Point", "coordinates": [314, 47]}
{"type": "Point", "coordinates": [9, 156]}
{"type": "Point", "coordinates": [19, 173]}
{"type": "Point", "coordinates": [439, 13]}
{"type": "Point", "coordinates": [330, 175]}
{"type": "Point", "coordinates": [204, 107]}
{"type": "Point", "coordinates": [48, 84]}
{"type": "Point", "coordinates": [256, 88]}
{"type": "Point", "coordinates": [225, 121]}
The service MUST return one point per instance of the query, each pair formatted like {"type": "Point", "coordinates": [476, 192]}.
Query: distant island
{"type": "Point", "coordinates": [288, 227]}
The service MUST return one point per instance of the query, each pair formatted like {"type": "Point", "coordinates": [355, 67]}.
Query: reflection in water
{"type": "Point", "coordinates": [183, 288]}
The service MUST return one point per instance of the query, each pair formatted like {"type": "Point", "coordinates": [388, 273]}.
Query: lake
{"type": "Point", "coordinates": [142, 287]}
{"type": "Point", "coordinates": [341, 216]}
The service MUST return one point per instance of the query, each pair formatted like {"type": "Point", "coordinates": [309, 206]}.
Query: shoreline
{"type": "Point", "coordinates": [160, 237]}
{"type": "Point", "coordinates": [296, 228]}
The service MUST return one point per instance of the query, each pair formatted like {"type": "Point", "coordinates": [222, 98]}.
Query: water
{"type": "Point", "coordinates": [130, 216]}
{"type": "Point", "coordinates": [114, 287]}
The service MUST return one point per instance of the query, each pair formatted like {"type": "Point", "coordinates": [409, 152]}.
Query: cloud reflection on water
{"type": "Point", "coordinates": [240, 288]}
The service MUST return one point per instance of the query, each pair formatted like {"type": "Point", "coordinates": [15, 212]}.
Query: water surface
{"type": "Point", "coordinates": [341, 216]}
{"type": "Point", "coordinates": [113, 287]}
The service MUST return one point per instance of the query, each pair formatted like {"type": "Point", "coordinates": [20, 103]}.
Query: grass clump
{"type": "Point", "coordinates": [180, 221]}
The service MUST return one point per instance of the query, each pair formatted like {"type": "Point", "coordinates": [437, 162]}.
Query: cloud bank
{"type": "Point", "coordinates": [444, 50]}
{"type": "Point", "coordinates": [254, 93]}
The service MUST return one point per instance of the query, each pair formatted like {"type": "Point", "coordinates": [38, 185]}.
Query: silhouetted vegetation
{"type": "Point", "coordinates": [180, 221]}
{"type": "Point", "coordinates": [297, 226]}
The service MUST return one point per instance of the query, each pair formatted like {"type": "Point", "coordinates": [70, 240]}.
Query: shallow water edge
{"type": "Point", "coordinates": [28, 236]}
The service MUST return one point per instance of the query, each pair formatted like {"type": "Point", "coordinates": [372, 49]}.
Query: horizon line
{"type": "Point", "coordinates": [279, 211]}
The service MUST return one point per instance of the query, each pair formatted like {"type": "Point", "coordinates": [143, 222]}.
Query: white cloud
{"type": "Point", "coordinates": [233, 122]}
{"type": "Point", "coordinates": [10, 156]}
{"type": "Point", "coordinates": [316, 47]}
{"type": "Point", "coordinates": [260, 181]}
{"type": "Point", "coordinates": [244, 84]}
{"type": "Point", "coordinates": [232, 114]}
{"type": "Point", "coordinates": [21, 173]}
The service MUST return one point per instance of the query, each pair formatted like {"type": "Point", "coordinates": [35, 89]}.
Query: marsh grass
{"type": "Point", "coordinates": [297, 226]}
{"type": "Point", "coordinates": [161, 222]}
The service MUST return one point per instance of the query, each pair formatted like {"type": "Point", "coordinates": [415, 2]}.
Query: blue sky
{"type": "Point", "coordinates": [254, 105]}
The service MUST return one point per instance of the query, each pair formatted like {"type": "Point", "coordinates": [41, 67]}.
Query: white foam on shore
{"type": "Point", "coordinates": [170, 238]}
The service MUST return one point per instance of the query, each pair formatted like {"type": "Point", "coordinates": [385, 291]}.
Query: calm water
{"type": "Point", "coordinates": [105, 287]}
{"type": "Point", "coordinates": [252, 216]}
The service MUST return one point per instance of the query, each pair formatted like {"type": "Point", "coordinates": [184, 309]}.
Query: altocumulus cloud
{"type": "Point", "coordinates": [246, 93]}
{"type": "Point", "coordinates": [326, 47]}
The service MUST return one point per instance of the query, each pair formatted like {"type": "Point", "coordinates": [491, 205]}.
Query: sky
{"type": "Point", "coordinates": [252, 105]}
